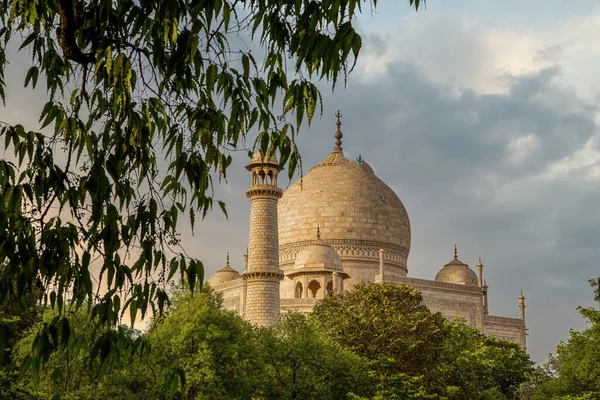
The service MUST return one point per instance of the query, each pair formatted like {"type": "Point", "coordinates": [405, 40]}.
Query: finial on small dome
{"type": "Point", "coordinates": [455, 253]}
{"type": "Point", "coordinates": [338, 134]}
{"type": "Point", "coordinates": [227, 263]}
{"type": "Point", "coordinates": [318, 232]}
{"type": "Point", "coordinates": [521, 297]}
{"type": "Point", "coordinates": [359, 159]}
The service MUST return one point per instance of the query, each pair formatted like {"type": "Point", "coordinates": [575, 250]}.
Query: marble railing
{"type": "Point", "coordinates": [425, 282]}
{"type": "Point", "coordinates": [299, 301]}
{"type": "Point", "coordinates": [502, 320]}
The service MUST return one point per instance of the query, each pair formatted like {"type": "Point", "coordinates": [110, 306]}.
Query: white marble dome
{"type": "Point", "coordinates": [358, 214]}
{"type": "Point", "coordinates": [458, 273]}
{"type": "Point", "coordinates": [225, 274]}
{"type": "Point", "coordinates": [318, 257]}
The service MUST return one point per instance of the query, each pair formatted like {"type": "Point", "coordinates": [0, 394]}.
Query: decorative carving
{"type": "Point", "coordinates": [263, 274]}
{"type": "Point", "coordinates": [447, 304]}
{"type": "Point", "coordinates": [503, 320]}
{"type": "Point", "coordinates": [299, 301]}
{"type": "Point", "coordinates": [349, 248]}
{"type": "Point", "coordinates": [264, 190]}
{"type": "Point", "coordinates": [425, 282]}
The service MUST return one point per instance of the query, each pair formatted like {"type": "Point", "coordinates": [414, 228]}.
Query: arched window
{"type": "Point", "coordinates": [330, 287]}
{"type": "Point", "coordinates": [313, 288]}
{"type": "Point", "coordinates": [262, 177]}
{"type": "Point", "coordinates": [298, 291]}
{"type": "Point", "coordinates": [270, 175]}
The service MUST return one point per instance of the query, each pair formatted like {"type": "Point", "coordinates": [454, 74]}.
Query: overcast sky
{"type": "Point", "coordinates": [482, 117]}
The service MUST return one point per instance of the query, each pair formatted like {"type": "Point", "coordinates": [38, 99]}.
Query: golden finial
{"type": "Point", "coordinates": [485, 284]}
{"type": "Point", "coordinates": [521, 297]}
{"type": "Point", "coordinates": [227, 262]}
{"type": "Point", "coordinates": [455, 253]}
{"type": "Point", "coordinates": [479, 263]}
{"type": "Point", "coordinates": [338, 134]}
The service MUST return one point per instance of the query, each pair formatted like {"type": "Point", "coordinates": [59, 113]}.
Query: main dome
{"type": "Point", "coordinates": [357, 213]}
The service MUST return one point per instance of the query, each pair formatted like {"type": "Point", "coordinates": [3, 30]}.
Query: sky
{"type": "Point", "coordinates": [483, 118]}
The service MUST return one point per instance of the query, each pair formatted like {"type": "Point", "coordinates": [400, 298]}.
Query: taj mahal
{"type": "Point", "coordinates": [333, 228]}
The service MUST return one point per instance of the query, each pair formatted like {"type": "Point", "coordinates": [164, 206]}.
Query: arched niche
{"type": "Point", "coordinates": [298, 290]}
{"type": "Point", "coordinates": [314, 288]}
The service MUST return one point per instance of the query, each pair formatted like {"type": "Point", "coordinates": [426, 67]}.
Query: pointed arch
{"type": "Point", "coordinates": [298, 290]}
{"type": "Point", "coordinates": [313, 289]}
{"type": "Point", "coordinates": [329, 287]}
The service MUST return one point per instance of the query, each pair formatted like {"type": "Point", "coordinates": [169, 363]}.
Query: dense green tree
{"type": "Point", "coordinates": [212, 350]}
{"type": "Point", "coordinates": [301, 363]}
{"type": "Point", "coordinates": [476, 366]}
{"type": "Point", "coordinates": [69, 372]}
{"type": "Point", "coordinates": [13, 389]}
{"type": "Point", "coordinates": [131, 84]}
{"type": "Point", "coordinates": [417, 354]}
{"type": "Point", "coordinates": [575, 366]}
{"type": "Point", "coordinates": [389, 325]}
{"type": "Point", "coordinates": [199, 351]}
{"type": "Point", "coordinates": [573, 371]}
{"type": "Point", "coordinates": [540, 375]}
{"type": "Point", "coordinates": [15, 321]}
{"type": "Point", "coordinates": [209, 350]}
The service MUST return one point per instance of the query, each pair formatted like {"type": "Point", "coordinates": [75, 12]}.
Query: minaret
{"type": "Point", "coordinates": [480, 273]}
{"type": "Point", "coordinates": [522, 309]}
{"type": "Point", "coordinates": [522, 306]}
{"type": "Point", "coordinates": [485, 298]}
{"type": "Point", "coordinates": [262, 274]}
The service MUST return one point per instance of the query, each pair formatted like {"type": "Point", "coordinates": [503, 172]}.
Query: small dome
{"type": "Point", "coordinates": [223, 275]}
{"type": "Point", "coordinates": [318, 257]}
{"type": "Point", "coordinates": [458, 273]}
{"type": "Point", "coordinates": [258, 158]}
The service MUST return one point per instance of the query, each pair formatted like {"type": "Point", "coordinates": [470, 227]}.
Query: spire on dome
{"type": "Point", "coordinates": [227, 262]}
{"type": "Point", "coordinates": [338, 134]}
{"type": "Point", "coordinates": [455, 253]}
{"type": "Point", "coordinates": [337, 155]}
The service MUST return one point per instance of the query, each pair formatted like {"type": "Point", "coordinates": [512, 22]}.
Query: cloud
{"type": "Point", "coordinates": [475, 50]}
{"type": "Point", "coordinates": [508, 175]}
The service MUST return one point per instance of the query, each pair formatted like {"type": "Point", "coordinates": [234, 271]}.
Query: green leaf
{"type": "Point", "coordinates": [191, 275]}
{"type": "Point", "coordinates": [52, 299]}
{"type": "Point", "coordinates": [133, 311]}
{"type": "Point", "coordinates": [223, 208]}
{"type": "Point", "coordinates": [246, 65]}
{"type": "Point", "coordinates": [32, 75]}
